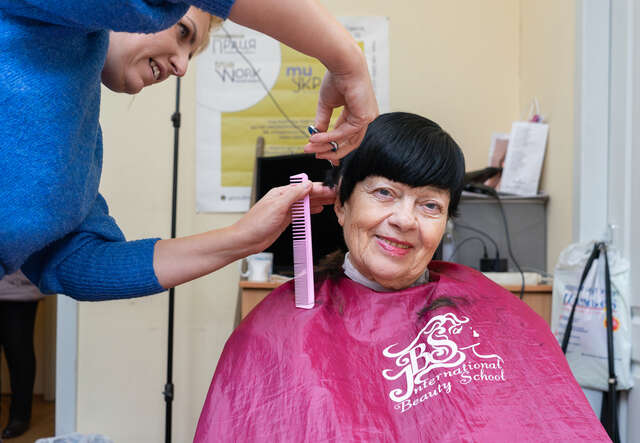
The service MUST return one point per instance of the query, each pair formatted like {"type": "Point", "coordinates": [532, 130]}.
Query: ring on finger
{"type": "Point", "coordinates": [334, 146]}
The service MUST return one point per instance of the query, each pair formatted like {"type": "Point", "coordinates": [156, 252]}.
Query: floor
{"type": "Point", "coordinates": [42, 419]}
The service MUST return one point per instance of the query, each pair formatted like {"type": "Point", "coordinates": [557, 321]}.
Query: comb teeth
{"type": "Point", "coordinates": [302, 252]}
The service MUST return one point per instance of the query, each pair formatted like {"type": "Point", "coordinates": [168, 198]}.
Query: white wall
{"type": "Point", "coordinates": [455, 62]}
{"type": "Point", "coordinates": [458, 62]}
{"type": "Point", "coordinates": [546, 71]}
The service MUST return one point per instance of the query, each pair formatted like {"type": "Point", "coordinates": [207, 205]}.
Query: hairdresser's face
{"type": "Point", "coordinates": [138, 60]}
{"type": "Point", "coordinates": [392, 229]}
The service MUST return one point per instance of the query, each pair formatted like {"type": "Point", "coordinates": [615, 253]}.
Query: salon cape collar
{"type": "Point", "coordinates": [355, 275]}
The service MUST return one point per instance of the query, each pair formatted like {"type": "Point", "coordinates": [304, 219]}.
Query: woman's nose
{"type": "Point", "coordinates": [403, 217]}
{"type": "Point", "coordinates": [179, 64]}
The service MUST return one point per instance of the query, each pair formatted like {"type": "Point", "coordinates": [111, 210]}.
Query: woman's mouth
{"type": "Point", "coordinates": [155, 69]}
{"type": "Point", "coordinates": [393, 246]}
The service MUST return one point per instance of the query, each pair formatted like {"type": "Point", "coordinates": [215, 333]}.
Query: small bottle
{"type": "Point", "coordinates": [448, 242]}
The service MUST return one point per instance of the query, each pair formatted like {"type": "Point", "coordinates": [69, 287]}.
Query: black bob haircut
{"type": "Point", "coordinates": [405, 148]}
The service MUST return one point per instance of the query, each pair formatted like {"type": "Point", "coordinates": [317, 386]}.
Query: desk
{"type": "Point", "coordinates": [538, 297]}
{"type": "Point", "coordinates": [252, 293]}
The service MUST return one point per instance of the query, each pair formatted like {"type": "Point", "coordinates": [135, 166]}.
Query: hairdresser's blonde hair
{"type": "Point", "coordinates": [214, 23]}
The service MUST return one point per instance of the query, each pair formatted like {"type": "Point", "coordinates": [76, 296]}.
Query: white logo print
{"type": "Point", "coordinates": [417, 366]}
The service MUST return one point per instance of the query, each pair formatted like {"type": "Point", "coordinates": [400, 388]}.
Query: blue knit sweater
{"type": "Point", "coordinates": [53, 223]}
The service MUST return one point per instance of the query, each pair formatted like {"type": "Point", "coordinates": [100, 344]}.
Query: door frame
{"type": "Point", "coordinates": [66, 365]}
{"type": "Point", "coordinates": [606, 190]}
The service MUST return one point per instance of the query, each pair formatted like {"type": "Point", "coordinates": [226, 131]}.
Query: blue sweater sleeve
{"type": "Point", "coordinates": [95, 262]}
{"type": "Point", "coordinates": [116, 15]}
{"type": "Point", "coordinates": [51, 145]}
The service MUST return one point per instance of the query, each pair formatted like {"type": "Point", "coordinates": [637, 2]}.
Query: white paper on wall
{"type": "Point", "coordinates": [525, 155]}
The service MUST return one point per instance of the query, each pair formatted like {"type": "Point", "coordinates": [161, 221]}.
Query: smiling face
{"type": "Point", "coordinates": [138, 60]}
{"type": "Point", "coordinates": [392, 229]}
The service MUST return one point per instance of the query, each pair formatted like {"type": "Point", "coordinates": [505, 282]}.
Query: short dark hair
{"type": "Point", "coordinates": [405, 148]}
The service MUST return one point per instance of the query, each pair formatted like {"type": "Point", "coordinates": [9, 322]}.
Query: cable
{"type": "Point", "coordinates": [487, 190]}
{"type": "Point", "coordinates": [459, 245]}
{"type": "Point", "coordinates": [460, 225]}
{"type": "Point", "coordinates": [506, 230]}
{"type": "Point", "coordinates": [537, 271]}
{"type": "Point", "coordinates": [264, 85]}
{"type": "Point", "coordinates": [496, 260]}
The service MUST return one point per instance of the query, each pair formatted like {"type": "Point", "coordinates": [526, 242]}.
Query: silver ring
{"type": "Point", "coordinates": [334, 146]}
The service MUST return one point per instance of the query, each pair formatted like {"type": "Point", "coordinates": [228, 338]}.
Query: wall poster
{"type": "Point", "coordinates": [233, 107]}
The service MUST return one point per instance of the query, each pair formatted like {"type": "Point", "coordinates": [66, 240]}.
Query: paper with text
{"type": "Point", "coordinates": [523, 162]}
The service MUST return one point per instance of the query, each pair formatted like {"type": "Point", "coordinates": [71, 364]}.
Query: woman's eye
{"type": "Point", "coordinates": [382, 192]}
{"type": "Point", "coordinates": [183, 29]}
{"type": "Point", "coordinates": [433, 207]}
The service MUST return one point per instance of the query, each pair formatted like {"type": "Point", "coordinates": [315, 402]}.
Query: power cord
{"type": "Point", "coordinates": [471, 228]}
{"type": "Point", "coordinates": [484, 246]}
{"type": "Point", "coordinates": [538, 271]}
{"type": "Point", "coordinates": [482, 189]}
{"type": "Point", "coordinates": [497, 265]}
{"type": "Point", "coordinates": [506, 230]}
{"type": "Point", "coordinates": [264, 85]}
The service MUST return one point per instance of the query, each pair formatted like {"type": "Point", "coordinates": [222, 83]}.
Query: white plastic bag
{"type": "Point", "coordinates": [587, 349]}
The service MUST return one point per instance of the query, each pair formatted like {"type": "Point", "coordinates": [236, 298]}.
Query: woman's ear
{"type": "Point", "coordinates": [338, 208]}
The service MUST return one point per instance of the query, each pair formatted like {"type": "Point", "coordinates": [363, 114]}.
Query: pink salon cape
{"type": "Point", "coordinates": [365, 366]}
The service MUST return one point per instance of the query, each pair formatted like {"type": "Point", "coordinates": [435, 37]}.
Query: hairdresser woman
{"type": "Point", "coordinates": [53, 223]}
{"type": "Point", "coordinates": [18, 297]}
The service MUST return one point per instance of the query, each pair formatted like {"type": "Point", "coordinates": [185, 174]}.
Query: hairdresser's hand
{"type": "Point", "coordinates": [353, 90]}
{"type": "Point", "coordinates": [178, 260]}
{"type": "Point", "coordinates": [266, 220]}
{"type": "Point", "coordinates": [320, 197]}
{"type": "Point", "coordinates": [298, 23]}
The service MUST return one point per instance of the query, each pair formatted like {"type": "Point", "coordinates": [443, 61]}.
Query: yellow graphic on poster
{"type": "Point", "coordinates": [296, 91]}
{"type": "Point", "coordinates": [248, 85]}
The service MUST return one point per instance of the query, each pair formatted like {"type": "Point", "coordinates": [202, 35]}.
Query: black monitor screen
{"type": "Point", "coordinates": [326, 233]}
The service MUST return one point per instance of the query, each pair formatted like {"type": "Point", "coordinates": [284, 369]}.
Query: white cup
{"type": "Point", "coordinates": [258, 267]}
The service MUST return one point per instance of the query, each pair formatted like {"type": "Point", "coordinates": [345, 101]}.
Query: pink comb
{"type": "Point", "coordinates": [302, 253]}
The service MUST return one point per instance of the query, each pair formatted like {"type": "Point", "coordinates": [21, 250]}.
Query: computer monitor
{"type": "Point", "coordinates": [326, 232]}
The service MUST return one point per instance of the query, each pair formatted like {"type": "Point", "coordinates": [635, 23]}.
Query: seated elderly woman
{"type": "Point", "coordinates": [397, 347]}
